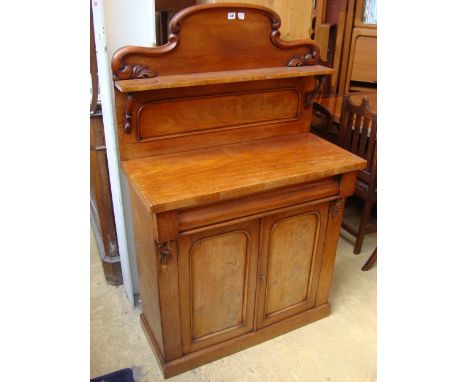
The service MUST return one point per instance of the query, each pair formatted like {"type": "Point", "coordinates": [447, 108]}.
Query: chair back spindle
{"type": "Point", "coordinates": [358, 134]}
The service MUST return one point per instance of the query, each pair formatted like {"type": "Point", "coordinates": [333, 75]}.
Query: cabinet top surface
{"type": "Point", "coordinates": [192, 178]}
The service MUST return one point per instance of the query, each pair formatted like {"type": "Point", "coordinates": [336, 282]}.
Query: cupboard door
{"type": "Point", "coordinates": [217, 279]}
{"type": "Point", "coordinates": [289, 263]}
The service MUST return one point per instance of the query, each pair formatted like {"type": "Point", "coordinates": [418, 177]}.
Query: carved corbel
{"type": "Point", "coordinates": [128, 114]}
{"type": "Point", "coordinates": [165, 253]}
{"type": "Point", "coordinates": [310, 58]}
{"type": "Point", "coordinates": [318, 87]}
{"type": "Point", "coordinates": [337, 207]}
{"type": "Point", "coordinates": [133, 72]}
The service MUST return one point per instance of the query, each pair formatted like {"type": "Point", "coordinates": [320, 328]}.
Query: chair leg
{"type": "Point", "coordinates": [362, 226]}
{"type": "Point", "coordinates": [370, 261]}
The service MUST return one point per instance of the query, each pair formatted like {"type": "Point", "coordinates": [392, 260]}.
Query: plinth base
{"type": "Point", "coordinates": [212, 353]}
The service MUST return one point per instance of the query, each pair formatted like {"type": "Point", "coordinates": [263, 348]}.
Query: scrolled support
{"type": "Point", "coordinates": [318, 88]}
{"type": "Point", "coordinates": [337, 207]}
{"type": "Point", "coordinates": [133, 72]}
{"type": "Point", "coordinates": [165, 253]}
{"type": "Point", "coordinates": [128, 114]}
{"type": "Point", "coordinates": [311, 58]}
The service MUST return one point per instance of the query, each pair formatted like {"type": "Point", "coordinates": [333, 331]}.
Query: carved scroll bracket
{"type": "Point", "coordinates": [311, 58]}
{"type": "Point", "coordinates": [165, 253]}
{"type": "Point", "coordinates": [133, 72]}
{"type": "Point", "coordinates": [128, 114]}
{"type": "Point", "coordinates": [318, 88]}
{"type": "Point", "coordinates": [337, 207]}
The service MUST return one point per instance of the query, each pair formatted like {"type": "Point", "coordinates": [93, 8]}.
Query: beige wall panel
{"type": "Point", "coordinates": [296, 15]}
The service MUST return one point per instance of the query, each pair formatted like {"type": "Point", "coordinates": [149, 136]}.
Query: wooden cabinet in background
{"type": "Point", "coordinates": [165, 11]}
{"type": "Point", "coordinates": [358, 67]}
{"type": "Point", "coordinates": [354, 45]}
{"type": "Point", "coordinates": [296, 15]}
{"type": "Point", "coordinates": [102, 211]}
{"type": "Point", "coordinates": [361, 67]}
{"type": "Point", "coordinates": [363, 56]}
{"type": "Point", "coordinates": [236, 206]}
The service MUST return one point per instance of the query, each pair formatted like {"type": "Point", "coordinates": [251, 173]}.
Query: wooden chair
{"type": "Point", "coordinates": [323, 123]}
{"type": "Point", "coordinates": [370, 261]}
{"type": "Point", "coordinates": [358, 134]}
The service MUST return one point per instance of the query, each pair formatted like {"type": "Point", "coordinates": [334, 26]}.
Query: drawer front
{"type": "Point", "coordinates": [289, 263]}
{"type": "Point", "coordinates": [217, 279]}
{"type": "Point", "coordinates": [258, 203]}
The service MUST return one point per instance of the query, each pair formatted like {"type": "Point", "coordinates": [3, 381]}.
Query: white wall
{"type": "Point", "coordinates": [129, 22]}
{"type": "Point", "coordinates": [119, 23]}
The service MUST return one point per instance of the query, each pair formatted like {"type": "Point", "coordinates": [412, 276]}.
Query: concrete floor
{"type": "Point", "coordinates": [340, 347]}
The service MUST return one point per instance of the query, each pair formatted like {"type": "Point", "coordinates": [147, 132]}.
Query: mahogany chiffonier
{"type": "Point", "coordinates": [236, 206]}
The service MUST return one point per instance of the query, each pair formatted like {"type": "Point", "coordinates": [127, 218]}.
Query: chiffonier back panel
{"type": "Point", "coordinates": [207, 39]}
{"type": "Point", "coordinates": [168, 121]}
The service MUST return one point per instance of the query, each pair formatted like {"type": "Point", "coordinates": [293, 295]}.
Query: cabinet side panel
{"type": "Point", "coordinates": [292, 247]}
{"type": "Point", "coordinates": [147, 266]}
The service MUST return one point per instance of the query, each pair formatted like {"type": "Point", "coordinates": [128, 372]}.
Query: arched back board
{"type": "Point", "coordinates": [224, 76]}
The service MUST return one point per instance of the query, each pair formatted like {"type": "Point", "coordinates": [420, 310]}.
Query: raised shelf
{"type": "Point", "coordinates": [211, 78]}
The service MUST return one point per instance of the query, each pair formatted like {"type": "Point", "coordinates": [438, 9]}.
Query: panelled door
{"type": "Point", "coordinates": [217, 281]}
{"type": "Point", "coordinates": [289, 262]}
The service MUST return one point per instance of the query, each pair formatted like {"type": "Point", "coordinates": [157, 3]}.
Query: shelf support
{"type": "Point", "coordinates": [310, 58]}
{"type": "Point", "coordinates": [165, 253]}
{"type": "Point", "coordinates": [128, 114]}
{"type": "Point", "coordinates": [337, 207]}
{"type": "Point", "coordinates": [318, 88]}
{"type": "Point", "coordinates": [133, 72]}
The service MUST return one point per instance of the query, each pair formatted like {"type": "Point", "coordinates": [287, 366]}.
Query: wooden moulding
{"type": "Point", "coordinates": [236, 50]}
{"type": "Point", "coordinates": [222, 77]}
{"type": "Point", "coordinates": [168, 225]}
{"type": "Point", "coordinates": [257, 203]}
{"type": "Point", "coordinates": [224, 122]}
{"type": "Point", "coordinates": [264, 165]}
{"type": "Point", "coordinates": [234, 345]}
{"type": "Point", "coordinates": [242, 55]}
{"type": "Point", "coordinates": [166, 119]}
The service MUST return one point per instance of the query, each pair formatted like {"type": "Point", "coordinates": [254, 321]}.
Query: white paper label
{"type": "Point", "coordinates": [241, 15]}
{"type": "Point", "coordinates": [231, 15]}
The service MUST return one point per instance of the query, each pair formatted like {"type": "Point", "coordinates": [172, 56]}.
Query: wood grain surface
{"type": "Point", "coordinates": [165, 119]}
{"type": "Point", "coordinates": [186, 179]}
{"type": "Point", "coordinates": [203, 39]}
{"type": "Point", "coordinates": [217, 284]}
{"type": "Point", "coordinates": [289, 262]}
{"type": "Point", "coordinates": [221, 77]}
{"type": "Point", "coordinates": [236, 206]}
